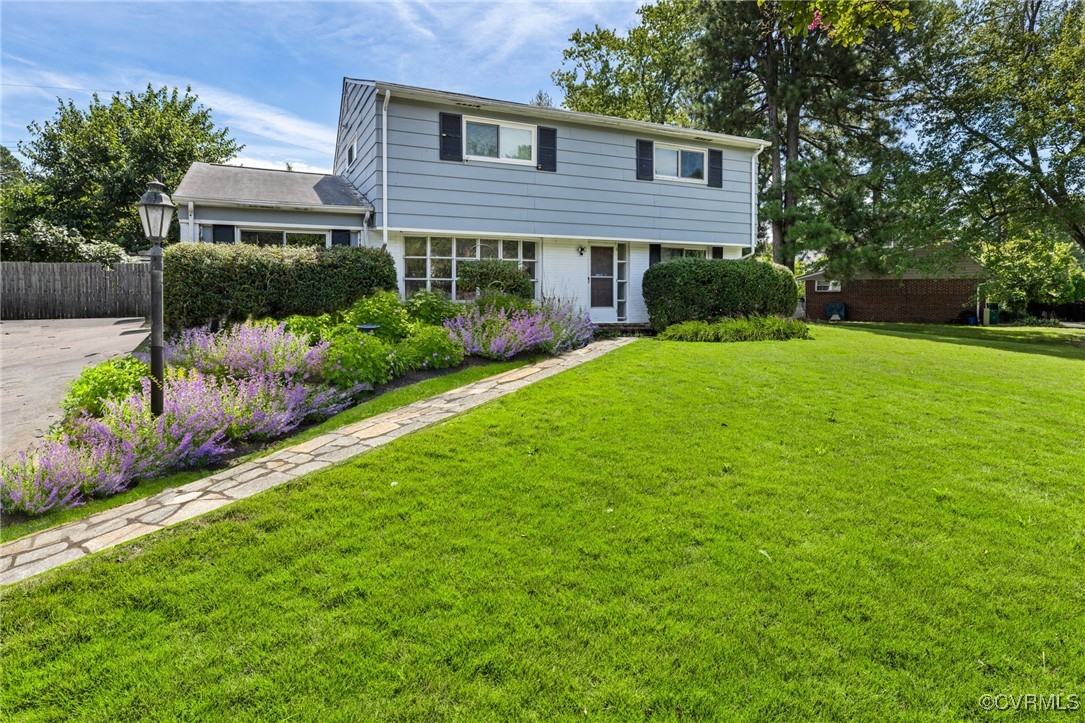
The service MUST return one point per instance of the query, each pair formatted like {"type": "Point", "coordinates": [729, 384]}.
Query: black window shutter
{"type": "Point", "coordinates": [451, 137]}
{"type": "Point", "coordinates": [548, 149]}
{"type": "Point", "coordinates": [715, 168]}
{"type": "Point", "coordinates": [222, 234]}
{"type": "Point", "coordinates": [655, 254]}
{"type": "Point", "coordinates": [340, 238]}
{"type": "Point", "coordinates": [645, 160]}
{"type": "Point", "coordinates": [717, 252]}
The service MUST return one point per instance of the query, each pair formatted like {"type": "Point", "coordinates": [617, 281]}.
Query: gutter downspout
{"type": "Point", "coordinates": [191, 221]}
{"type": "Point", "coordinates": [384, 168]}
{"type": "Point", "coordinates": [365, 228]}
{"type": "Point", "coordinates": [753, 202]}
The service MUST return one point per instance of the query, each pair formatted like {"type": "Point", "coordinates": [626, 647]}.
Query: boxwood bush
{"type": "Point", "coordinates": [232, 282]}
{"type": "Point", "coordinates": [706, 290]}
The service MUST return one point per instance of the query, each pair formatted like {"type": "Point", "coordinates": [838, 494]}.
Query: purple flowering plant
{"type": "Point", "coordinates": [248, 350]}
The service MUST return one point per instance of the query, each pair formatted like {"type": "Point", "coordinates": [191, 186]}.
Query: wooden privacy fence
{"type": "Point", "coordinates": [73, 291]}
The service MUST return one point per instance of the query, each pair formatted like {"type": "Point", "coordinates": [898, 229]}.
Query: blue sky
{"type": "Point", "coordinates": [272, 72]}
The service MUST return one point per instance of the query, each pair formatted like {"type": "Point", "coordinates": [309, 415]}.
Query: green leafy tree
{"type": "Point", "coordinates": [642, 75]}
{"type": "Point", "coordinates": [92, 164]}
{"type": "Point", "coordinates": [1001, 115]}
{"type": "Point", "coordinates": [542, 99]}
{"type": "Point", "coordinates": [829, 110]}
{"type": "Point", "coordinates": [845, 21]}
{"type": "Point", "coordinates": [1033, 266]}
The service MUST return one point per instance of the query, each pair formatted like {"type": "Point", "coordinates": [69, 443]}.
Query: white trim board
{"type": "Point", "coordinates": [511, 235]}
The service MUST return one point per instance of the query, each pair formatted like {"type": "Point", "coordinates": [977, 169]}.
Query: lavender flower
{"type": "Point", "coordinates": [247, 350]}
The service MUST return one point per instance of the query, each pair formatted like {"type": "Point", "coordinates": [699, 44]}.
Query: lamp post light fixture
{"type": "Point", "coordinates": [156, 213]}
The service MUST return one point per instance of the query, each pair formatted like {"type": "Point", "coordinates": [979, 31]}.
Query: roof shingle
{"type": "Point", "coordinates": [260, 186]}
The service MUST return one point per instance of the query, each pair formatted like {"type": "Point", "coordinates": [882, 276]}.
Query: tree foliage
{"type": "Point", "coordinates": [844, 21]}
{"type": "Point", "coordinates": [643, 74]}
{"type": "Point", "coordinates": [1000, 110]}
{"type": "Point", "coordinates": [828, 109]}
{"type": "Point", "coordinates": [91, 165]}
{"type": "Point", "coordinates": [1032, 266]}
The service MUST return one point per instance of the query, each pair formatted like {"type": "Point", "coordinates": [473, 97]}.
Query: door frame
{"type": "Point", "coordinates": [603, 314]}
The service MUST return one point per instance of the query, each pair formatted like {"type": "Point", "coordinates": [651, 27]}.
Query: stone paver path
{"type": "Point", "coordinates": [45, 550]}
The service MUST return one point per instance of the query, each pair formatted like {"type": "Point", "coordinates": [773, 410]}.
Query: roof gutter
{"type": "Point", "coordinates": [384, 168]}
{"type": "Point", "coordinates": [243, 203]}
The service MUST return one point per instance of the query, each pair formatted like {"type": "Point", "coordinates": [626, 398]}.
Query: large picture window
{"type": "Point", "coordinates": [490, 140]}
{"type": "Point", "coordinates": [432, 263]}
{"type": "Point", "coordinates": [680, 164]}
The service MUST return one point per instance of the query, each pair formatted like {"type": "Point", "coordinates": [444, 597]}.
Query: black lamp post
{"type": "Point", "coordinates": [156, 214]}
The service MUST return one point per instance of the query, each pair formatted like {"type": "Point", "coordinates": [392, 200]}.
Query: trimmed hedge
{"type": "Point", "coordinates": [494, 276]}
{"type": "Point", "coordinates": [706, 290]}
{"type": "Point", "coordinates": [232, 282]}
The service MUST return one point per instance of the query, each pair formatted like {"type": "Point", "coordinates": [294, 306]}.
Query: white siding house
{"type": "Point", "coordinates": [585, 203]}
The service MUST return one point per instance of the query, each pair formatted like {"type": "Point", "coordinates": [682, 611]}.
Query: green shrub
{"type": "Point", "coordinates": [431, 307]}
{"type": "Point", "coordinates": [314, 328]}
{"type": "Point", "coordinates": [492, 302]}
{"type": "Point", "coordinates": [355, 357]}
{"type": "Point", "coordinates": [233, 282]}
{"type": "Point", "coordinates": [754, 328]}
{"type": "Point", "coordinates": [384, 309]}
{"type": "Point", "coordinates": [114, 379]}
{"type": "Point", "coordinates": [493, 275]}
{"type": "Point", "coordinates": [44, 242]}
{"type": "Point", "coordinates": [427, 347]}
{"type": "Point", "coordinates": [705, 290]}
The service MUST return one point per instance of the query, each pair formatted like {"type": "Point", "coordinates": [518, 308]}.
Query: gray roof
{"type": "Point", "coordinates": [558, 115]}
{"type": "Point", "coordinates": [237, 185]}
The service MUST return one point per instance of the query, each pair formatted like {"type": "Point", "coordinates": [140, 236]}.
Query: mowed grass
{"type": "Point", "coordinates": [865, 526]}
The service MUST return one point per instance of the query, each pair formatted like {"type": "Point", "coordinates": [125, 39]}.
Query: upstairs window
{"type": "Point", "coordinates": [675, 163]}
{"type": "Point", "coordinates": [490, 140]}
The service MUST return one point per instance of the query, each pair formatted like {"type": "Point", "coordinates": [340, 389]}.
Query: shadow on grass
{"type": "Point", "coordinates": [1063, 343]}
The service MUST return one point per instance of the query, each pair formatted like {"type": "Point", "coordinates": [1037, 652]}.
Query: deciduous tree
{"type": "Point", "coordinates": [92, 164]}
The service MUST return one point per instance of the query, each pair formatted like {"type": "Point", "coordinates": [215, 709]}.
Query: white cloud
{"type": "Point", "coordinates": [255, 162]}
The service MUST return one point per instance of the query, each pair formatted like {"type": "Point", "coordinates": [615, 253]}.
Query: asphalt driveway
{"type": "Point", "coordinates": [37, 360]}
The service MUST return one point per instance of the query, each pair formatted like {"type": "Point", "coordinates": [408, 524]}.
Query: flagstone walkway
{"type": "Point", "coordinates": [50, 548]}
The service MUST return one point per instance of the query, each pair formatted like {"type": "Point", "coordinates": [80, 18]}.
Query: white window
{"type": "Point", "coordinates": [675, 163]}
{"type": "Point", "coordinates": [667, 253]}
{"type": "Point", "coordinates": [501, 141]}
{"type": "Point", "coordinates": [433, 262]}
{"type": "Point", "coordinates": [352, 151]}
{"type": "Point", "coordinates": [826, 285]}
{"type": "Point", "coordinates": [275, 237]}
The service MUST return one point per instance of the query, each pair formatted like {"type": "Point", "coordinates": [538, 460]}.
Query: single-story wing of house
{"type": "Point", "coordinates": [913, 296]}
{"type": "Point", "coordinates": [584, 203]}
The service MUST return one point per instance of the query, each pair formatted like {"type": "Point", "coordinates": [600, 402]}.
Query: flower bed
{"type": "Point", "coordinates": [258, 381]}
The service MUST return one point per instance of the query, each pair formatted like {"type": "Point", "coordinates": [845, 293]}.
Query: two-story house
{"type": "Point", "coordinates": [585, 203]}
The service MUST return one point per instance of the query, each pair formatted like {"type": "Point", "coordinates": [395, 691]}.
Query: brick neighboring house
{"type": "Point", "coordinates": [910, 297]}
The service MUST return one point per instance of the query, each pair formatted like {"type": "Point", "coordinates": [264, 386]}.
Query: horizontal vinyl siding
{"type": "Point", "coordinates": [361, 119]}
{"type": "Point", "coordinates": [593, 193]}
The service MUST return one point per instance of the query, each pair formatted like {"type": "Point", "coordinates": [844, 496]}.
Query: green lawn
{"type": "Point", "coordinates": [879, 524]}
{"type": "Point", "coordinates": [383, 402]}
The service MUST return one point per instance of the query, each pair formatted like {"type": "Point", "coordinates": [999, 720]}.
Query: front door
{"type": "Point", "coordinates": [601, 285]}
